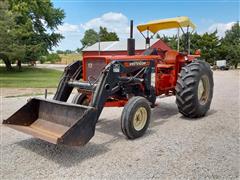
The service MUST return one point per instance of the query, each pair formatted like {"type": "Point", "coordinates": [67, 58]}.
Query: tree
{"type": "Point", "coordinates": [208, 43]}
{"type": "Point", "coordinates": [67, 51]}
{"type": "Point", "coordinates": [233, 55]}
{"type": "Point", "coordinates": [230, 45]}
{"type": "Point", "coordinates": [10, 46]}
{"type": "Point", "coordinates": [51, 57]}
{"type": "Point", "coordinates": [172, 41]}
{"type": "Point", "coordinates": [78, 50]}
{"type": "Point", "coordinates": [60, 52]}
{"type": "Point", "coordinates": [35, 22]}
{"type": "Point", "coordinates": [91, 36]}
{"type": "Point", "coordinates": [195, 42]}
{"type": "Point", "coordinates": [233, 35]}
{"type": "Point", "coordinates": [107, 36]}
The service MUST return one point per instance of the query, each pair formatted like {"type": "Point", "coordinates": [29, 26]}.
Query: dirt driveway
{"type": "Point", "coordinates": [174, 147]}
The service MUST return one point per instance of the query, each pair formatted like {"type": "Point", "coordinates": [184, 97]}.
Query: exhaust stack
{"type": "Point", "coordinates": [131, 41]}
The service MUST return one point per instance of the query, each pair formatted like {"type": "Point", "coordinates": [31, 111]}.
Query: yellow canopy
{"type": "Point", "coordinates": [155, 26]}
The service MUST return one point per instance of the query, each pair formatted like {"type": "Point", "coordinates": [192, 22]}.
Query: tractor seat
{"type": "Point", "coordinates": [170, 57]}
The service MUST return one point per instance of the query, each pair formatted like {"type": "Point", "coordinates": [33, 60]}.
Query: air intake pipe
{"type": "Point", "coordinates": [131, 41]}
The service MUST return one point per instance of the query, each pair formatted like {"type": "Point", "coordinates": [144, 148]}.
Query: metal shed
{"type": "Point", "coordinates": [120, 47]}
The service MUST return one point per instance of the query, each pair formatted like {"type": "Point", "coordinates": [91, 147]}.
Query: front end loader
{"type": "Point", "coordinates": [64, 123]}
{"type": "Point", "coordinates": [132, 82]}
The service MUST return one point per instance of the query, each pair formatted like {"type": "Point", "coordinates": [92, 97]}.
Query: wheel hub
{"type": "Point", "coordinates": [203, 89]}
{"type": "Point", "coordinates": [85, 102]}
{"type": "Point", "coordinates": [140, 119]}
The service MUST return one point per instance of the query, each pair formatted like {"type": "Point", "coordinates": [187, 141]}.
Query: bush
{"type": "Point", "coordinates": [42, 59]}
{"type": "Point", "coordinates": [52, 58]}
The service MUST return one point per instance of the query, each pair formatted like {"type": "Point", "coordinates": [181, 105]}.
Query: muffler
{"type": "Point", "coordinates": [55, 121]}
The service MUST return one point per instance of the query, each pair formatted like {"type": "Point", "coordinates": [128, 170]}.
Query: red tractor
{"type": "Point", "coordinates": [132, 82]}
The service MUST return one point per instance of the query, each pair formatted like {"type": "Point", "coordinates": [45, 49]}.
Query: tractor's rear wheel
{"type": "Point", "coordinates": [135, 117]}
{"type": "Point", "coordinates": [194, 89]}
{"type": "Point", "coordinates": [81, 99]}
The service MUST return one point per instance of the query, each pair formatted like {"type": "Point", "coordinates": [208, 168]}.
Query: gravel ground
{"type": "Point", "coordinates": [18, 92]}
{"type": "Point", "coordinates": [173, 147]}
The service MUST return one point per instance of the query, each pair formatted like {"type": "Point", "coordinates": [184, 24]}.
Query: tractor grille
{"type": "Point", "coordinates": [94, 67]}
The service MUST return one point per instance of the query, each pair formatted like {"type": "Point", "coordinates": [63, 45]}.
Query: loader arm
{"type": "Point", "coordinates": [72, 72]}
{"type": "Point", "coordinates": [107, 81]}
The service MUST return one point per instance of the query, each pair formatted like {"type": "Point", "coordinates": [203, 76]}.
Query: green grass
{"type": "Point", "coordinates": [29, 78]}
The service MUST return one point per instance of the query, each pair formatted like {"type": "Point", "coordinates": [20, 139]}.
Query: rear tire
{"type": "Point", "coordinates": [194, 89]}
{"type": "Point", "coordinates": [135, 117]}
{"type": "Point", "coordinates": [81, 99]}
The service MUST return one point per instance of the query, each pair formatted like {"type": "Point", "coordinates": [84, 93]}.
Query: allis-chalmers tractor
{"type": "Point", "coordinates": [131, 81]}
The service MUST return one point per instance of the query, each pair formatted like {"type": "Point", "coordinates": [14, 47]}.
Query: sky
{"type": "Point", "coordinates": [207, 15]}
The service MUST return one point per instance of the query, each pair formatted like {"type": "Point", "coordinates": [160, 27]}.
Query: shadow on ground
{"type": "Point", "coordinates": [163, 113]}
{"type": "Point", "coordinates": [63, 155]}
{"type": "Point", "coordinates": [160, 115]}
{"type": "Point", "coordinates": [208, 114]}
{"type": "Point", "coordinates": [70, 156]}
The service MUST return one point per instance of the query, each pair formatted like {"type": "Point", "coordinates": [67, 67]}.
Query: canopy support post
{"type": "Point", "coordinates": [147, 39]}
{"type": "Point", "coordinates": [178, 40]}
{"type": "Point", "coordinates": [188, 40]}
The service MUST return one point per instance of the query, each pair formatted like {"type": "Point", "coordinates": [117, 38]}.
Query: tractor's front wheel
{"type": "Point", "coordinates": [81, 99]}
{"type": "Point", "coordinates": [194, 89]}
{"type": "Point", "coordinates": [135, 117]}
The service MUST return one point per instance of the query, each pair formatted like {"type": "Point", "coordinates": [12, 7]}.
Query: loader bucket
{"type": "Point", "coordinates": [54, 121]}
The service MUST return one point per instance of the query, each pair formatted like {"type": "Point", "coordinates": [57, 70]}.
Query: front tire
{"type": "Point", "coordinates": [194, 89]}
{"type": "Point", "coordinates": [135, 117]}
{"type": "Point", "coordinates": [81, 99]}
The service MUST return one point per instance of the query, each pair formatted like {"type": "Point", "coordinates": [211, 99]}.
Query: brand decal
{"type": "Point", "coordinates": [138, 63]}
